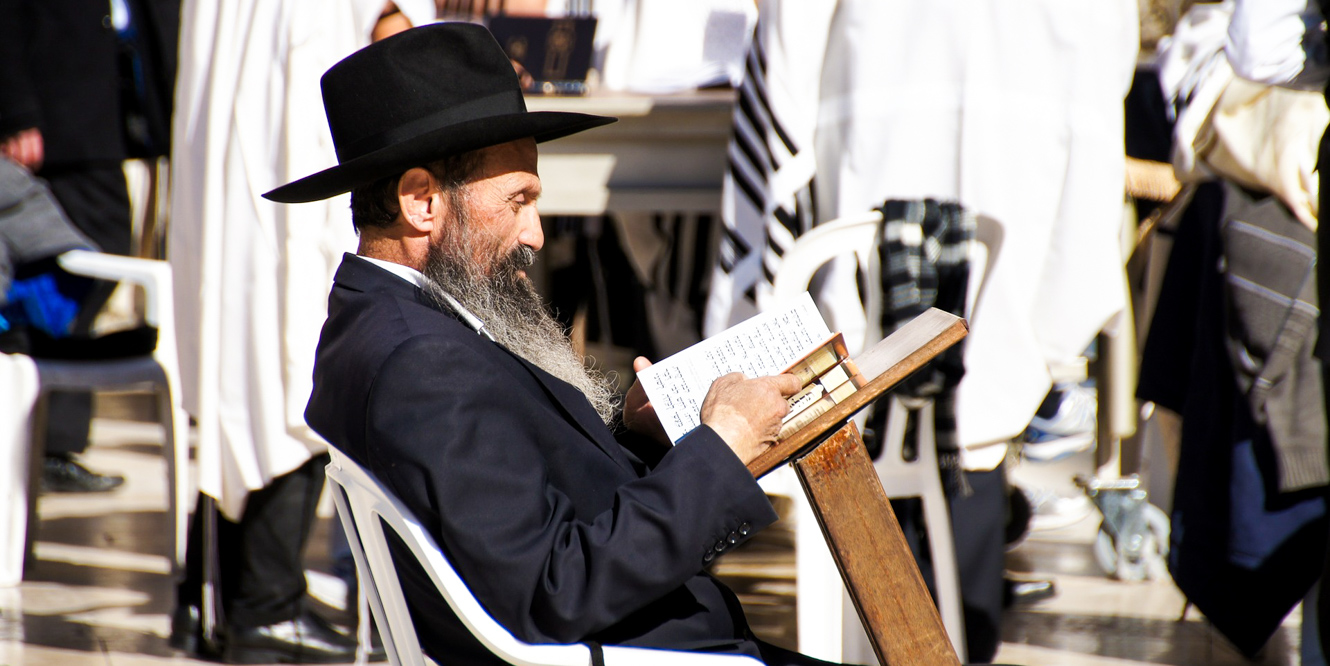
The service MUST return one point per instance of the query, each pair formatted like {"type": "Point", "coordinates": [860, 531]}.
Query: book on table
{"type": "Point", "coordinates": [797, 340]}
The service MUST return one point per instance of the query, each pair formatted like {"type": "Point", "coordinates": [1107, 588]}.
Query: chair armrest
{"type": "Point", "coordinates": [628, 656]}
{"type": "Point", "coordinates": [153, 275]}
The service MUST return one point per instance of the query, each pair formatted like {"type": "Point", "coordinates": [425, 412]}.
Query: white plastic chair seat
{"type": "Point", "coordinates": [155, 373]}
{"type": "Point", "coordinates": [365, 506]}
{"type": "Point", "coordinates": [133, 373]}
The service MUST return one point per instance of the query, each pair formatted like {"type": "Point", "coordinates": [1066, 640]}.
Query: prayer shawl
{"type": "Point", "coordinates": [767, 196]}
{"type": "Point", "coordinates": [924, 255]}
{"type": "Point", "coordinates": [1269, 262]}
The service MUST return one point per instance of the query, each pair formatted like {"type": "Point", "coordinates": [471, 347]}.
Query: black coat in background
{"type": "Point", "coordinates": [64, 71]}
{"type": "Point", "coordinates": [59, 73]}
{"type": "Point", "coordinates": [558, 529]}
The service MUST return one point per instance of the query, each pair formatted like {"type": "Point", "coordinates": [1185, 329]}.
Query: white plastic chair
{"type": "Point", "coordinates": [364, 506]}
{"type": "Point", "coordinates": [18, 392]}
{"type": "Point", "coordinates": [156, 372]}
{"type": "Point", "coordinates": [820, 591]}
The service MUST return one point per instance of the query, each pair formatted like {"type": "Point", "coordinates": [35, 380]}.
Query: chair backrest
{"type": "Point", "coordinates": [858, 236]}
{"type": "Point", "coordinates": [854, 235]}
{"type": "Point", "coordinates": [365, 506]}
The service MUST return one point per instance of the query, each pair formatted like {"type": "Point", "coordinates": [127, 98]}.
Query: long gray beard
{"type": "Point", "coordinates": [513, 313]}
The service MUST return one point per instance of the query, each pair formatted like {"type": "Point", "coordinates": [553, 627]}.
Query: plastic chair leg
{"type": "Point", "coordinates": [175, 448]}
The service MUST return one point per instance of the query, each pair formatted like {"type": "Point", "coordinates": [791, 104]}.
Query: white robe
{"type": "Point", "coordinates": [1013, 108]}
{"type": "Point", "coordinates": [252, 276]}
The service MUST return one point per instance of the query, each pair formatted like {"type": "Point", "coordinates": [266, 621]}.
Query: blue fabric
{"type": "Point", "coordinates": [48, 301]}
{"type": "Point", "coordinates": [1261, 522]}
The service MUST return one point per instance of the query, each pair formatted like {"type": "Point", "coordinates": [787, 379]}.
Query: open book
{"type": "Point", "coordinates": [766, 344]}
{"type": "Point", "coordinates": [797, 340]}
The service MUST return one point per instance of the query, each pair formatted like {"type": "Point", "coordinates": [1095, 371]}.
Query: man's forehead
{"type": "Point", "coordinates": [515, 156]}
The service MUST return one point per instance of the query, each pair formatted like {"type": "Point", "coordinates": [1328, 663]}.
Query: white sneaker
{"type": "Point", "coordinates": [1070, 430]}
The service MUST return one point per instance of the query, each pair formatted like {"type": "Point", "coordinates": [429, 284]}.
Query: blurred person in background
{"type": "Point", "coordinates": [252, 280]}
{"type": "Point", "coordinates": [1233, 345]}
{"type": "Point", "coordinates": [72, 88]}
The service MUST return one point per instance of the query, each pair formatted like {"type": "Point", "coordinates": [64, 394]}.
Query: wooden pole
{"type": "Point", "coordinates": [871, 553]}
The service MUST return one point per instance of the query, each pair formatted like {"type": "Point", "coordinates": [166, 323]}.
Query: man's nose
{"type": "Point", "coordinates": [531, 233]}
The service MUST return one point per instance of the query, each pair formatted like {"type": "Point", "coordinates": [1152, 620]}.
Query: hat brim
{"type": "Point", "coordinates": [432, 145]}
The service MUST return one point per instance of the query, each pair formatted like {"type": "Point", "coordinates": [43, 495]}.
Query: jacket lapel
{"type": "Point", "coordinates": [578, 410]}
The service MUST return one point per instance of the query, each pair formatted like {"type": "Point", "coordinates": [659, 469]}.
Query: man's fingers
{"type": "Point", "coordinates": [787, 384]}
{"type": "Point", "coordinates": [641, 363]}
{"type": "Point", "coordinates": [730, 380]}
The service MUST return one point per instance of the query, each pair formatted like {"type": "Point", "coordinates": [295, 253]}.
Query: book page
{"type": "Point", "coordinates": [765, 344]}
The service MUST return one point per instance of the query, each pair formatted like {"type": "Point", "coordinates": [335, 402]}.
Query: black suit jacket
{"type": "Point", "coordinates": [560, 531]}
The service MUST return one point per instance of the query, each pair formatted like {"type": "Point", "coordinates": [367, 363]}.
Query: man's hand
{"type": "Point", "coordinates": [638, 413]}
{"type": "Point", "coordinates": [26, 148]}
{"type": "Point", "coordinates": [746, 413]}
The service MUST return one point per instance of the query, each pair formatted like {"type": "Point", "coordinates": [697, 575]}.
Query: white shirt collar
{"type": "Point", "coordinates": [418, 279]}
{"type": "Point", "coordinates": [405, 272]}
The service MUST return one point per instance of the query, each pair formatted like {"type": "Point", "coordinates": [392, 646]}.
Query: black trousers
{"type": "Point", "coordinates": [96, 200]}
{"type": "Point", "coordinates": [978, 523]}
{"type": "Point", "coordinates": [261, 557]}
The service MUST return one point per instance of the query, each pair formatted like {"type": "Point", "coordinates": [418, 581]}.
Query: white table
{"type": "Point", "coordinates": [666, 153]}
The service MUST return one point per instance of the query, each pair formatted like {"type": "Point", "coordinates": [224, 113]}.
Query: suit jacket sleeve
{"type": "Point", "coordinates": [448, 430]}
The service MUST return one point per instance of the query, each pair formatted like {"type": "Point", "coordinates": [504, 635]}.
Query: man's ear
{"type": "Point", "coordinates": [418, 200]}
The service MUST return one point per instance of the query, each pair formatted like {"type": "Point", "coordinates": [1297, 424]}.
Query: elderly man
{"type": "Point", "coordinates": [440, 370]}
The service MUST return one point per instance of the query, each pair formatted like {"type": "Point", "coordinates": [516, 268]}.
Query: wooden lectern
{"type": "Point", "coordinates": [853, 511]}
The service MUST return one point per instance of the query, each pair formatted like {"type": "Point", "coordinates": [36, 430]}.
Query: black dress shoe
{"type": "Point", "coordinates": [187, 634]}
{"type": "Point", "coordinates": [308, 639]}
{"type": "Point", "coordinates": [63, 474]}
{"type": "Point", "coordinates": [186, 629]}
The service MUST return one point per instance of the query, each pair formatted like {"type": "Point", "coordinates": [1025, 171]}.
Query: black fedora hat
{"type": "Point", "coordinates": [418, 96]}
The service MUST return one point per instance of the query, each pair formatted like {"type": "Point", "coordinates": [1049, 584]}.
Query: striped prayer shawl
{"type": "Point", "coordinates": [768, 196]}
{"type": "Point", "coordinates": [924, 255]}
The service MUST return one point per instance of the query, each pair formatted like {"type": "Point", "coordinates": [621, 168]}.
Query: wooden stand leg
{"type": "Point", "coordinates": [874, 560]}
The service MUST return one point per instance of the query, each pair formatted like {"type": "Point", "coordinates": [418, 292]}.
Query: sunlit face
{"type": "Point", "coordinates": [501, 203]}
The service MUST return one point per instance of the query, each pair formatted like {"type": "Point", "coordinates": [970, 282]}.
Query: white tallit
{"type": "Point", "coordinates": [252, 276]}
